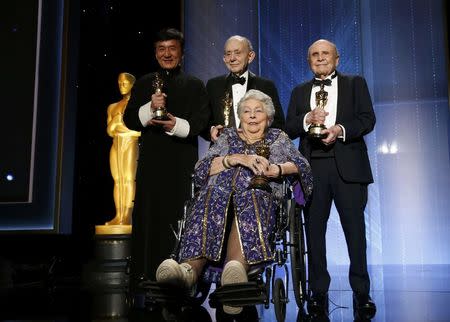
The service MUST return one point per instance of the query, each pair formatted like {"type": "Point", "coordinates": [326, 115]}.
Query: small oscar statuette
{"type": "Point", "coordinates": [315, 130]}
{"type": "Point", "coordinates": [260, 181]}
{"type": "Point", "coordinates": [160, 112]}
{"type": "Point", "coordinates": [227, 108]}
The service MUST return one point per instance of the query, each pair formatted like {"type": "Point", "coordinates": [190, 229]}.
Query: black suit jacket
{"type": "Point", "coordinates": [216, 91]}
{"type": "Point", "coordinates": [354, 112]}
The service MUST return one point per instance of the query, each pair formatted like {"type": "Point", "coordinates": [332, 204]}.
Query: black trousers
{"type": "Point", "coordinates": [350, 200]}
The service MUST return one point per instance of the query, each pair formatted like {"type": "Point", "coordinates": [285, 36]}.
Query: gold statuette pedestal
{"type": "Point", "coordinates": [112, 229]}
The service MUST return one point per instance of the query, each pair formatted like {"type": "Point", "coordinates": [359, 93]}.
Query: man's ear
{"type": "Point", "coordinates": [251, 56]}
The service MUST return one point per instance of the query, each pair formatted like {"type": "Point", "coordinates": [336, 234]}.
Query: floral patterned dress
{"type": "Point", "coordinates": [254, 209]}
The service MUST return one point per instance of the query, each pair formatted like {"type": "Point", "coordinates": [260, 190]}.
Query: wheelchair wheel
{"type": "Point", "coordinates": [298, 255]}
{"type": "Point", "coordinates": [279, 300]}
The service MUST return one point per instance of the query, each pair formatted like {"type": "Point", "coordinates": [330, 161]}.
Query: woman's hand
{"type": "Point", "coordinates": [258, 164]}
{"type": "Point", "coordinates": [274, 171]}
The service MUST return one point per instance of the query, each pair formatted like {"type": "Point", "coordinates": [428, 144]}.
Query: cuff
{"type": "Point", "coordinates": [181, 128]}
{"type": "Point", "coordinates": [306, 125]}
{"type": "Point", "coordinates": [343, 132]}
{"type": "Point", "coordinates": [145, 113]}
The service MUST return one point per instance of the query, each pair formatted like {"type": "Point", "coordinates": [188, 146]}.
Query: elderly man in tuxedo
{"type": "Point", "coordinates": [340, 167]}
{"type": "Point", "coordinates": [238, 54]}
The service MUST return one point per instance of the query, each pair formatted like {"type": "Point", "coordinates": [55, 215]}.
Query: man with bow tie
{"type": "Point", "coordinates": [238, 54]}
{"type": "Point", "coordinates": [341, 169]}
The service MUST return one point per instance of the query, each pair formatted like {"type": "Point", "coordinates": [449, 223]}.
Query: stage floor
{"type": "Point", "coordinates": [402, 294]}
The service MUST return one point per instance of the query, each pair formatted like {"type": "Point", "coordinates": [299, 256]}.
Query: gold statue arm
{"type": "Point", "coordinates": [115, 125]}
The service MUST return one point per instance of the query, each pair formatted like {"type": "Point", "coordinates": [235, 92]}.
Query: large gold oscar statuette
{"type": "Point", "coordinates": [260, 181]}
{"type": "Point", "coordinates": [160, 112]}
{"type": "Point", "coordinates": [315, 130]}
{"type": "Point", "coordinates": [227, 108]}
{"type": "Point", "coordinates": [123, 161]}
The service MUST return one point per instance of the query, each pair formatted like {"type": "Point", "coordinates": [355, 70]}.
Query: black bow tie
{"type": "Point", "coordinates": [237, 80]}
{"type": "Point", "coordinates": [319, 82]}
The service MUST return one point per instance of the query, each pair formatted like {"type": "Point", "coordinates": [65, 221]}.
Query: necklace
{"type": "Point", "coordinates": [251, 141]}
{"type": "Point", "coordinates": [255, 145]}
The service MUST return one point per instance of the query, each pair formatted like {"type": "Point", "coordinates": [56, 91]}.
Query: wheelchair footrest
{"type": "Point", "coordinates": [239, 294]}
{"type": "Point", "coordinates": [166, 294]}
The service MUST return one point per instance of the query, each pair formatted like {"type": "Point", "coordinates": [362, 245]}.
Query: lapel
{"type": "Point", "coordinates": [223, 83]}
{"type": "Point", "coordinates": [251, 81]}
{"type": "Point", "coordinates": [340, 93]}
{"type": "Point", "coordinates": [307, 95]}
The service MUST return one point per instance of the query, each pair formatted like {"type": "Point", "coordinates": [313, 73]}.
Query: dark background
{"type": "Point", "coordinates": [115, 37]}
{"type": "Point", "coordinates": [105, 39]}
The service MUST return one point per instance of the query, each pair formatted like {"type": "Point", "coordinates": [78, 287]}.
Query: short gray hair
{"type": "Point", "coordinates": [245, 40]}
{"type": "Point", "coordinates": [263, 98]}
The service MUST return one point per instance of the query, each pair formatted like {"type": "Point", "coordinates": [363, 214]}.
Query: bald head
{"type": "Point", "coordinates": [323, 58]}
{"type": "Point", "coordinates": [324, 42]}
{"type": "Point", "coordinates": [241, 39]}
{"type": "Point", "coordinates": [238, 54]}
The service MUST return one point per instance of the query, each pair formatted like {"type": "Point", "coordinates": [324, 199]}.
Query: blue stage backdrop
{"type": "Point", "coordinates": [399, 47]}
{"type": "Point", "coordinates": [36, 165]}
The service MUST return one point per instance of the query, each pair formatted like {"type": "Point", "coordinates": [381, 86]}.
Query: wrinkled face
{"type": "Point", "coordinates": [237, 56]}
{"type": "Point", "coordinates": [322, 58]}
{"type": "Point", "coordinates": [168, 53]}
{"type": "Point", "coordinates": [124, 84]}
{"type": "Point", "coordinates": [253, 117]}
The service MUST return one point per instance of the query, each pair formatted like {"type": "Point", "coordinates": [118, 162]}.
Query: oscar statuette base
{"type": "Point", "coordinates": [260, 182]}
{"type": "Point", "coordinates": [161, 114]}
{"type": "Point", "coordinates": [315, 130]}
{"type": "Point", "coordinates": [112, 229]}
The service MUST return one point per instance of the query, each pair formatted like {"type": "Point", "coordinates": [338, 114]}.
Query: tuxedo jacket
{"type": "Point", "coordinates": [216, 88]}
{"type": "Point", "coordinates": [354, 112]}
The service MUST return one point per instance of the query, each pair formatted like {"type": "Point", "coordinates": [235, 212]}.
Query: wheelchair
{"type": "Point", "coordinates": [266, 284]}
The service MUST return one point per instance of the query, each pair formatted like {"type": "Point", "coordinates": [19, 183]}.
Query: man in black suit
{"type": "Point", "coordinates": [238, 54]}
{"type": "Point", "coordinates": [340, 167]}
{"type": "Point", "coordinates": [168, 151]}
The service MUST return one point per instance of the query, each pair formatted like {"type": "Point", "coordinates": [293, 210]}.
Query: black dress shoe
{"type": "Point", "coordinates": [318, 304]}
{"type": "Point", "coordinates": [364, 307]}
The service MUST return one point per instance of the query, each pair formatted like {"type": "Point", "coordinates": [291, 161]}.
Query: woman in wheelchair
{"type": "Point", "coordinates": [239, 188]}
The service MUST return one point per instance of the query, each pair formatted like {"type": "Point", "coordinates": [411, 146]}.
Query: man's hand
{"type": "Point", "coordinates": [166, 125]}
{"type": "Point", "coordinates": [215, 132]}
{"type": "Point", "coordinates": [316, 116]}
{"type": "Point", "coordinates": [332, 134]}
{"type": "Point", "coordinates": [158, 100]}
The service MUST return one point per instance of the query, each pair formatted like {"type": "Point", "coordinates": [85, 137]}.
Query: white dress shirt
{"type": "Point", "coordinates": [239, 92]}
{"type": "Point", "coordinates": [330, 107]}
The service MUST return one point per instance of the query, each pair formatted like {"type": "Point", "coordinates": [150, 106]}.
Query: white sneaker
{"type": "Point", "coordinates": [233, 272]}
{"type": "Point", "coordinates": [169, 271]}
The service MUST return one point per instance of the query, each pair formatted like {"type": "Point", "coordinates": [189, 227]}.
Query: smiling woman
{"type": "Point", "coordinates": [224, 179]}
